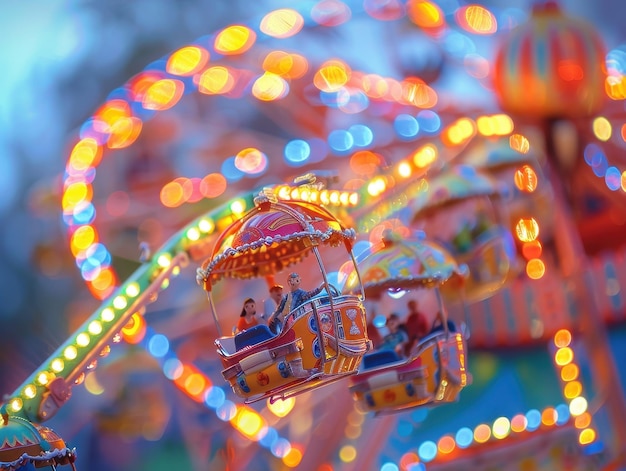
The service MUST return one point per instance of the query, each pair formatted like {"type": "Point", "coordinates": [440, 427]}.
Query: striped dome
{"type": "Point", "coordinates": [550, 67]}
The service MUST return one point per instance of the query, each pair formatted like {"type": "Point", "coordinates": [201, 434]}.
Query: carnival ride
{"type": "Point", "coordinates": [321, 340]}
{"type": "Point", "coordinates": [119, 122]}
{"type": "Point", "coordinates": [434, 372]}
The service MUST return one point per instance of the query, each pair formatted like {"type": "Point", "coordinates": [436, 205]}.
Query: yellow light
{"type": "Point", "coordinates": [43, 378]}
{"type": "Point", "coordinates": [425, 156]}
{"type": "Point", "coordinates": [164, 260]}
{"type": "Point", "coordinates": [282, 23]}
{"type": "Point", "coordinates": [234, 39]}
{"type": "Point", "coordinates": [85, 154]}
{"type": "Point", "coordinates": [569, 372]}
{"type": "Point", "coordinates": [587, 436]}
{"type": "Point", "coordinates": [195, 384]}
{"type": "Point", "coordinates": [293, 457]}
{"type": "Point", "coordinates": [334, 197]}
{"type": "Point", "coordinates": [82, 238]}
{"type": "Point", "coordinates": [602, 128]}
{"type": "Point", "coordinates": [95, 327]}
{"type": "Point", "coordinates": [269, 87]}
{"type": "Point", "coordinates": [572, 389]}
{"type": "Point", "coordinates": [193, 234]}
{"type": "Point", "coordinates": [501, 428]}
{"type": "Point", "coordinates": [75, 194]}
{"type": "Point", "coordinates": [248, 422]}
{"type": "Point", "coordinates": [163, 94]}
{"type": "Point", "coordinates": [82, 339]}
{"type": "Point", "coordinates": [187, 61]}
{"type": "Point", "coordinates": [404, 170]}
{"type": "Point", "coordinates": [30, 391]}
{"type": "Point", "coordinates": [238, 206]}
{"type": "Point", "coordinates": [354, 199]}
{"type": "Point", "coordinates": [527, 229]}
{"type": "Point", "coordinates": [70, 353]}
{"type": "Point", "coordinates": [119, 302]}
{"type": "Point", "coordinates": [347, 453]}
{"type": "Point", "coordinates": [324, 197]}
{"type": "Point", "coordinates": [216, 80]}
{"type": "Point", "coordinates": [57, 365]}
{"type": "Point", "coordinates": [332, 76]}
{"type": "Point", "coordinates": [206, 226]}
{"type": "Point", "coordinates": [16, 404]}
{"type": "Point", "coordinates": [563, 356]}
{"type": "Point", "coordinates": [107, 314]}
{"type": "Point", "coordinates": [132, 289]}
{"type": "Point", "coordinates": [282, 407]}
{"type": "Point", "coordinates": [92, 385]}
{"type": "Point", "coordinates": [486, 126]}
{"type": "Point", "coordinates": [295, 194]}
{"type": "Point", "coordinates": [562, 338]}
{"type": "Point", "coordinates": [578, 406]}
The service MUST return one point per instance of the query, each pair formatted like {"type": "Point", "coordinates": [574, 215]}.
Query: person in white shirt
{"type": "Point", "coordinates": [270, 304]}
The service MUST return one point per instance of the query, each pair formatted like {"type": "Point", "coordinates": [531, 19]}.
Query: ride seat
{"type": "Point", "coordinates": [252, 336]}
{"type": "Point", "coordinates": [380, 357]}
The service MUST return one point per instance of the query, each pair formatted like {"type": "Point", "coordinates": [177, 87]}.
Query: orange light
{"type": "Point", "coordinates": [446, 444]}
{"type": "Point", "coordinates": [519, 143]}
{"type": "Point", "coordinates": [216, 80]}
{"type": "Point", "coordinates": [163, 94]}
{"type": "Point", "coordinates": [532, 249]}
{"type": "Point", "coordinates": [549, 416]}
{"type": "Point", "coordinates": [482, 433]}
{"type": "Point", "coordinates": [526, 179]}
{"type": "Point", "coordinates": [408, 459]}
{"type": "Point", "coordinates": [425, 14]}
{"type": "Point", "coordinates": [569, 372]}
{"type": "Point", "coordinates": [527, 229]}
{"type": "Point", "coordinates": [572, 389]}
{"type": "Point", "coordinates": [135, 329]}
{"type": "Point", "coordinates": [293, 458]}
{"type": "Point", "coordinates": [519, 423]}
{"type": "Point", "coordinates": [562, 338]}
{"type": "Point", "coordinates": [583, 420]}
{"type": "Point", "coordinates": [476, 19]}
{"type": "Point", "coordinates": [195, 385]}
{"type": "Point", "coordinates": [365, 162]}
{"type": "Point", "coordinates": [213, 185]}
{"type": "Point", "coordinates": [535, 269]}
{"type": "Point", "coordinates": [332, 76]}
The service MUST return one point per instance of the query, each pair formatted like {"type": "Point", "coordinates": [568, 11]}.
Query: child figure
{"type": "Point", "coordinates": [247, 318]}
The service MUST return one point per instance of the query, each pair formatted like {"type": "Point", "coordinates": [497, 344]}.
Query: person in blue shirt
{"type": "Point", "coordinates": [397, 338]}
{"type": "Point", "coordinates": [291, 300]}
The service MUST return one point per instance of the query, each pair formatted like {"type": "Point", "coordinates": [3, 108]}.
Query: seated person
{"type": "Point", "coordinates": [247, 318]}
{"type": "Point", "coordinates": [397, 338]}
{"type": "Point", "coordinates": [291, 300]}
{"type": "Point", "coordinates": [272, 302]}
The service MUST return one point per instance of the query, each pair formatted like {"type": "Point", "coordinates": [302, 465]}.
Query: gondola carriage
{"type": "Point", "coordinates": [435, 371]}
{"type": "Point", "coordinates": [320, 341]}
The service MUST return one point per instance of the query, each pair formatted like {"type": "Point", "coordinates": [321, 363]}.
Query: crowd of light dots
{"type": "Point", "coordinates": [527, 228]}
{"type": "Point", "coordinates": [118, 122]}
{"type": "Point", "coordinates": [569, 372]}
{"type": "Point", "coordinates": [197, 386]}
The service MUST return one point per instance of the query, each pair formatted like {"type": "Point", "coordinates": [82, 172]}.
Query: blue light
{"type": "Point", "coordinates": [591, 150]}
{"type": "Point", "coordinates": [297, 152]}
{"type": "Point", "coordinates": [158, 346]}
{"type": "Point", "coordinates": [171, 367]}
{"type": "Point", "coordinates": [379, 321]}
{"type": "Point", "coordinates": [616, 60]}
{"type": "Point", "coordinates": [406, 126]}
{"type": "Point", "coordinates": [420, 414]}
{"type": "Point", "coordinates": [215, 397]}
{"type": "Point", "coordinates": [405, 428]}
{"type": "Point", "coordinates": [464, 437]}
{"type": "Point", "coordinates": [319, 150]}
{"type": "Point", "coordinates": [269, 438]}
{"type": "Point", "coordinates": [429, 121]}
{"type": "Point", "coordinates": [280, 447]}
{"type": "Point", "coordinates": [613, 178]}
{"type": "Point", "coordinates": [427, 451]}
{"type": "Point", "coordinates": [362, 134]}
{"type": "Point", "coordinates": [231, 172]}
{"type": "Point", "coordinates": [357, 102]}
{"type": "Point", "coordinates": [340, 141]}
{"type": "Point", "coordinates": [98, 254]}
{"type": "Point", "coordinates": [533, 418]}
{"type": "Point", "coordinates": [562, 414]}
{"type": "Point", "coordinates": [84, 213]}
{"type": "Point", "coordinates": [226, 411]}
{"type": "Point", "coordinates": [416, 467]}
{"type": "Point", "coordinates": [389, 467]}
{"type": "Point", "coordinates": [89, 269]}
